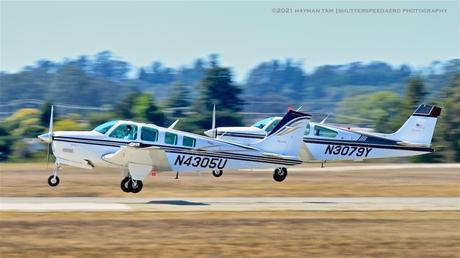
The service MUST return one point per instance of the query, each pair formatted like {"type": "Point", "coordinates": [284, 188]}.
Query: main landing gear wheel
{"type": "Point", "coordinates": [280, 174]}
{"type": "Point", "coordinates": [135, 186]}
{"type": "Point", "coordinates": [53, 180]}
{"type": "Point", "coordinates": [125, 184]}
{"type": "Point", "coordinates": [217, 173]}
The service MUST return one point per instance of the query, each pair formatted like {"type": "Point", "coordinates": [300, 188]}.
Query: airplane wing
{"type": "Point", "coordinates": [128, 154]}
{"type": "Point", "coordinates": [140, 161]}
{"type": "Point", "coordinates": [268, 154]}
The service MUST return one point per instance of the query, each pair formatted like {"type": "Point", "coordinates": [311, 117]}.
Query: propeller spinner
{"type": "Point", "coordinates": [48, 137]}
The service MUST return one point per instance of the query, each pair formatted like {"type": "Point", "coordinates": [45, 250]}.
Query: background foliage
{"type": "Point", "coordinates": [374, 94]}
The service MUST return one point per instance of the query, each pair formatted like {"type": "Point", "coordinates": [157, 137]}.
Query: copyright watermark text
{"type": "Point", "coordinates": [289, 10]}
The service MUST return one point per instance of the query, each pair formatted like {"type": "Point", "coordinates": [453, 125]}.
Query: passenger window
{"type": "Point", "coordinates": [324, 132]}
{"type": "Point", "coordinates": [125, 132]}
{"type": "Point", "coordinates": [270, 127]}
{"type": "Point", "coordinates": [171, 138]}
{"type": "Point", "coordinates": [149, 134]}
{"type": "Point", "coordinates": [188, 141]}
{"type": "Point", "coordinates": [307, 130]}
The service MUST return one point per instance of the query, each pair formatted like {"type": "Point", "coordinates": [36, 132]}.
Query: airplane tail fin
{"type": "Point", "coordinates": [419, 128]}
{"type": "Point", "coordinates": [286, 138]}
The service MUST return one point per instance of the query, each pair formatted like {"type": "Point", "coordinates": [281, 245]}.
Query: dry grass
{"type": "Point", "coordinates": [247, 234]}
{"type": "Point", "coordinates": [232, 234]}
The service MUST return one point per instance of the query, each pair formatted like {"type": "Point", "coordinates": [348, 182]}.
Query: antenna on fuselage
{"type": "Point", "coordinates": [212, 133]}
{"type": "Point", "coordinates": [214, 116]}
{"type": "Point", "coordinates": [173, 124]}
{"type": "Point", "coordinates": [324, 120]}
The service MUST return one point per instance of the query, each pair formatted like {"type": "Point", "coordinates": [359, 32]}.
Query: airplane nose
{"type": "Point", "coordinates": [209, 132]}
{"type": "Point", "coordinates": [46, 137]}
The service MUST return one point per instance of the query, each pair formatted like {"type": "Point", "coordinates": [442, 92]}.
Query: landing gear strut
{"type": "Point", "coordinates": [53, 180]}
{"type": "Point", "coordinates": [129, 185]}
{"type": "Point", "coordinates": [217, 173]}
{"type": "Point", "coordinates": [280, 174]}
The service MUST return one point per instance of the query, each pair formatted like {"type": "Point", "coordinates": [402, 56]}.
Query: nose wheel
{"type": "Point", "coordinates": [129, 185]}
{"type": "Point", "coordinates": [53, 180]}
{"type": "Point", "coordinates": [217, 173]}
{"type": "Point", "coordinates": [279, 174]}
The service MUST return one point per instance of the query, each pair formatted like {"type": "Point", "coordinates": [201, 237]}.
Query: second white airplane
{"type": "Point", "coordinates": [328, 143]}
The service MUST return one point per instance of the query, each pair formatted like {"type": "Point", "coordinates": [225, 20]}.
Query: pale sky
{"type": "Point", "coordinates": [242, 33]}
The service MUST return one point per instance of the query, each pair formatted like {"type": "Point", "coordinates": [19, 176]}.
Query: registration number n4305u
{"type": "Point", "coordinates": [197, 161]}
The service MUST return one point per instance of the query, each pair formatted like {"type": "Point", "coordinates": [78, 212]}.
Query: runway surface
{"type": "Point", "coordinates": [83, 204]}
{"type": "Point", "coordinates": [367, 167]}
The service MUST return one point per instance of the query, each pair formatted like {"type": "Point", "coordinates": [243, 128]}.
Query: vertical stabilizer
{"type": "Point", "coordinates": [287, 137]}
{"type": "Point", "coordinates": [419, 128]}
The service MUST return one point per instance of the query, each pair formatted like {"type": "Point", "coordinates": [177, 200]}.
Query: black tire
{"type": "Point", "coordinates": [137, 188]}
{"type": "Point", "coordinates": [280, 174]}
{"type": "Point", "coordinates": [217, 173]}
{"type": "Point", "coordinates": [125, 183]}
{"type": "Point", "coordinates": [53, 181]}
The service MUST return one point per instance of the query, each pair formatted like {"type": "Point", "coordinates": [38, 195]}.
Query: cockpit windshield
{"type": "Point", "coordinates": [262, 123]}
{"type": "Point", "coordinates": [103, 128]}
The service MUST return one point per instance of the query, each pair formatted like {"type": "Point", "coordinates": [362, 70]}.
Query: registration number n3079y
{"type": "Point", "coordinates": [197, 161]}
{"type": "Point", "coordinates": [347, 150]}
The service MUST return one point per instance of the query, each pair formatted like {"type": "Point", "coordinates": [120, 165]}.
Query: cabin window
{"type": "Point", "coordinates": [149, 134]}
{"type": "Point", "coordinates": [125, 132]}
{"type": "Point", "coordinates": [105, 127]}
{"type": "Point", "coordinates": [188, 141]}
{"type": "Point", "coordinates": [171, 138]}
{"type": "Point", "coordinates": [325, 132]}
{"type": "Point", "coordinates": [262, 123]}
{"type": "Point", "coordinates": [307, 129]}
{"type": "Point", "coordinates": [272, 125]}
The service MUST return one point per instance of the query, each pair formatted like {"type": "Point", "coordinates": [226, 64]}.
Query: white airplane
{"type": "Point", "coordinates": [140, 149]}
{"type": "Point", "coordinates": [328, 143]}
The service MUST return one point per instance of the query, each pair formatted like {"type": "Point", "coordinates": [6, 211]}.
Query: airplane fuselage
{"type": "Point", "coordinates": [324, 142]}
{"type": "Point", "coordinates": [167, 150]}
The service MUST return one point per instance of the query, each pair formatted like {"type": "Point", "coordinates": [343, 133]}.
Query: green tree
{"type": "Point", "coordinates": [178, 98]}
{"type": "Point", "coordinates": [215, 88]}
{"type": "Point", "coordinates": [414, 96]}
{"type": "Point", "coordinates": [379, 108]}
{"type": "Point", "coordinates": [123, 109]}
{"type": "Point", "coordinates": [415, 93]}
{"type": "Point", "coordinates": [447, 136]}
{"type": "Point", "coordinates": [97, 118]}
{"type": "Point", "coordinates": [66, 124]}
{"type": "Point", "coordinates": [6, 142]}
{"type": "Point", "coordinates": [144, 109]}
{"type": "Point", "coordinates": [45, 113]}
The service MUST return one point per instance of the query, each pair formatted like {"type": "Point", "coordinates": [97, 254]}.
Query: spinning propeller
{"type": "Point", "coordinates": [48, 137]}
